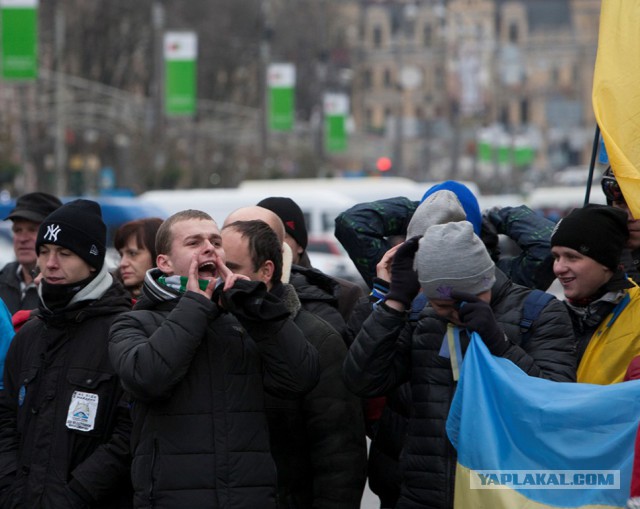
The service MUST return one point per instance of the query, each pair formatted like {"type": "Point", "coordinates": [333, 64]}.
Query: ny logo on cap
{"type": "Point", "coordinates": [52, 233]}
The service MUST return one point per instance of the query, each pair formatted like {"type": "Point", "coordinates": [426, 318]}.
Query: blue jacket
{"type": "Point", "coordinates": [6, 335]}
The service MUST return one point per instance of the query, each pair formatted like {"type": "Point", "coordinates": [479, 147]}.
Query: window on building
{"type": "Point", "coordinates": [427, 35]}
{"type": "Point", "coordinates": [388, 82]}
{"type": "Point", "coordinates": [366, 79]}
{"type": "Point", "coordinates": [377, 37]}
{"type": "Point", "coordinates": [555, 76]}
{"type": "Point", "coordinates": [439, 78]}
{"type": "Point", "coordinates": [369, 117]}
{"type": "Point", "coordinates": [524, 111]}
{"type": "Point", "coordinates": [513, 33]}
{"type": "Point", "coordinates": [504, 116]}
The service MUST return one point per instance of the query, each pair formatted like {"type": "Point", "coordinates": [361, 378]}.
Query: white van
{"type": "Point", "coordinates": [319, 207]}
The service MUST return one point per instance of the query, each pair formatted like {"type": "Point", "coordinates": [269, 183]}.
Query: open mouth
{"type": "Point", "coordinates": [207, 269]}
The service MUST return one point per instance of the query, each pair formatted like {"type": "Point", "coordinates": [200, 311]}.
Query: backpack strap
{"type": "Point", "coordinates": [534, 303]}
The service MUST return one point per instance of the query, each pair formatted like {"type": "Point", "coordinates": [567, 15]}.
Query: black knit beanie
{"type": "Point", "coordinates": [291, 215]}
{"type": "Point", "coordinates": [597, 231]}
{"type": "Point", "coordinates": [77, 226]}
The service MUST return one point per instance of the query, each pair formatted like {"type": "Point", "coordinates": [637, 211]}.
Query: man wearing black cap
{"type": "Point", "coordinates": [64, 423]}
{"type": "Point", "coordinates": [602, 302]}
{"type": "Point", "coordinates": [344, 293]}
{"type": "Point", "coordinates": [16, 279]}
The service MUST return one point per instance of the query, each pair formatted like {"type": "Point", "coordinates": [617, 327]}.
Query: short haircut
{"type": "Point", "coordinates": [263, 245]}
{"type": "Point", "coordinates": [164, 237]}
{"type": "Point", "coordinates": [143, 230]}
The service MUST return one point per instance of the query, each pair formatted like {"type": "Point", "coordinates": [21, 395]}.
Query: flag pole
{"type": "Point", "coordinates": [592, 163]}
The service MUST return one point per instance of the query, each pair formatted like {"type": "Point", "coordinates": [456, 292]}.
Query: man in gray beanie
{"type": "Point", "coordinates": [466, 293]}
{"type": "Point", "coordinates": [64, 437]}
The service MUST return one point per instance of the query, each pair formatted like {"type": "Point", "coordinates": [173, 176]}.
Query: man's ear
{"type": "Point", "coordinates": [266, 271]}
{"type": "Point", "coordinates": [163, 262]}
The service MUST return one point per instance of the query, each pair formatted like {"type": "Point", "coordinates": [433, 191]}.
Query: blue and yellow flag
{"type": "Point", "coordinates": [528, 442]}
{"type": "Point", "coordinates": [616, 100]}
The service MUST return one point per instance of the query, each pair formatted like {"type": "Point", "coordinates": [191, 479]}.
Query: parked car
{"type": "Point", "coordinates": [328, 255]}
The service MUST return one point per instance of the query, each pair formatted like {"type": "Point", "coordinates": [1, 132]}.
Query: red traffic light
{"type": "Point", "coordinates": [383, 164]}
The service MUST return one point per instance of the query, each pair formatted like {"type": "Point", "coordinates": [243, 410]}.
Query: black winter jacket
{"type": "Point", "coordinates": [318, 294]}
{"type": "Point", "coordinates": [200, 436]}
{"type": "Point", "coordinates": [318, 441]}
{"type": "Point", "coordinates": [46, 459]}
{"type": "Point", "coordinates": [388, 352]}
{"type": "Point", "coordinates": [10, 291]}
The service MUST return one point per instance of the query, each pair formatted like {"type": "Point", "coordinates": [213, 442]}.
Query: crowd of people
{"type": "Point", "coordinates": [215, 367]}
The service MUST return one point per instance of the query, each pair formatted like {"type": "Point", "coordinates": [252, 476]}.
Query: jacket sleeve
{"type": "Point", "coordinates": [290, 363]}
{"type": "Point", "coordinates": [378, 360]}
{"type": "Point", "coordinates": [6, 335]}
{"type": "Point", "coordinates": [549, 352]}
{"type": "Point", "coordinates": [8, 420]}
{"type": "Point", "coordinates": [108, 468]}
{"type": "Point", "coordinates": [533, 267]}
{"type": "Point", "coordinates": [152, 359]}
{"type": "Point", "coordinates": [336, 434]}
{"type": "Point", "coordinates": [363, 230]}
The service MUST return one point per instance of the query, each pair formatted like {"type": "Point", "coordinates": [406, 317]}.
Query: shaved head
{"type": "Point", "coordinates": [254, 213]}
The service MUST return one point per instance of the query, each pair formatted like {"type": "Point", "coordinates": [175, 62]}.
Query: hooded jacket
{"type": "Point", "coordinates": [389, 351]}
{"type": "Point", "coordinates": [64, 425]}
{"type": "Point", "coordinates": [200, 435]}
{"type": "Point", "coordinates": [318, 440]}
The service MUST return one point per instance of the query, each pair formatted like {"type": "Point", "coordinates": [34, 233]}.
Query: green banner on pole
{"type": "Point", "coordinates": [19, 39]}
{"type": "Point", "coordinates": [281, 80]}
{"type": "Point", "coordinates": [180, 54]}
{"type": "Point", "coordinates": [336, 109]}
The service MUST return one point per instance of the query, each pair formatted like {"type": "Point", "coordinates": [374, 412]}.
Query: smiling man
{"type": "Point", "coordinates": [196, 354]}
{"type": "Point", "coordinates": [603, 303]}
{"type": "Point", "coordinates": [64, 423]}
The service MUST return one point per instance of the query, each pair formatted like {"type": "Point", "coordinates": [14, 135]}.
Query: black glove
{"type": "Point", "coordinates": [477, 315]}
{"type": "Point", "coordinates": [250, 301]}
{"type": "Point", "coordinates": [404, 280]}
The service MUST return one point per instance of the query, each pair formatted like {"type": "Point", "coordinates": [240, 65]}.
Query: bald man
{"type": "Point", "coordinates": [318, 292]}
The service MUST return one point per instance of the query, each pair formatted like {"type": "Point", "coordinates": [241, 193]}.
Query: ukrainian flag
{"type": "Point", "coordinates": [526, 442]}
{"type": "Point", "coordinates": [615, 97]}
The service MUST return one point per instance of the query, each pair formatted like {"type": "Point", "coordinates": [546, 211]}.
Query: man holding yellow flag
{"type": "Point", "coordinates": [602, 301]}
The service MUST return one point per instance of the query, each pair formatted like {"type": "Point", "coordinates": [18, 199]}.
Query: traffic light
{"type": "Point", "coordinates": [384, 164]}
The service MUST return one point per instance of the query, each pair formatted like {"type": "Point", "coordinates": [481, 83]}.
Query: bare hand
{"type": "Point", "coordinates": [193, 284]}
{"type": "Point", "coordinates": [227, 276]}
{"type": "Point", "coordinates": [383, 268]}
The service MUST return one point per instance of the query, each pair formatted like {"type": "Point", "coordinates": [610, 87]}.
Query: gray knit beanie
{"type": "Point", "coordinates": [451, 257]}
{"type": "Point", "coordinates": [438, 208]}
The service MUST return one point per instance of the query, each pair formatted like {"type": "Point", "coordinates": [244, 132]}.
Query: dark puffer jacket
{"type": "Point", "coordinates": [387, 352]}
{"type": "Point", "coordinates": [46, 462]}
{"type": "Point", "coordinates": [200, 436]}
{"type": "Point", "coordinates": [318, 441]}
{"type": "Point", "coordinates": [318, 294]}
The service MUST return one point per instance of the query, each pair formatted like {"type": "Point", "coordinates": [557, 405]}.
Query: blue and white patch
{"type": "Point", "coordinates": [82, 411]}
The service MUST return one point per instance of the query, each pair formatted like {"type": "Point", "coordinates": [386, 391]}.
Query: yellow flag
{"type": "Point", "coordinates": [616, 93]}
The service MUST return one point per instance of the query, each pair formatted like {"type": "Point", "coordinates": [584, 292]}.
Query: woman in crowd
{"type": "Point", "coordinates": [136, 243]}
